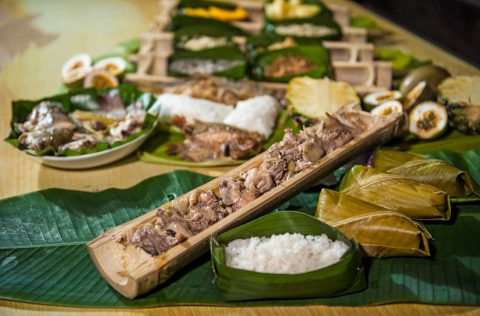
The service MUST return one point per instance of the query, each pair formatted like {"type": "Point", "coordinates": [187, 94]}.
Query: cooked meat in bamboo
{"type": "Point", "coordinates": [293, 154]}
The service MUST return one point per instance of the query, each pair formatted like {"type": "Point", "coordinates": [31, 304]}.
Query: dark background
{"type": "Point", "coordinates": [453, 25]}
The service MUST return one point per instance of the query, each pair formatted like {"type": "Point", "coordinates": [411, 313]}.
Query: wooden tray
{"type": "Point", "coordinates": [132, 271]}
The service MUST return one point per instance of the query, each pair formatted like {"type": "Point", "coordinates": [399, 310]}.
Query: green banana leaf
{"type": "Point", "coordinates": [258, 43]}
{"type": "Point", "coordinates": [454, 141]}
{"type": "Point", "coordinates": [343, 277]}
{"type": "Point", "coordinates": [401, 61]}
{"type": "Point", "coordinates": [316, 54]}
{"type": "Point", "coordinates": [365, 22]}
{"type": "Point", "coordinates": [324, 18]}
{"type": "Point", "coordinates": [155, 149]}
{"type": "Point", "coordinates": [205, 4]}
{"type": "Point", "coordinates": [218, 53]}
{"type": "Point", "coordinates": [43, 258]}
{"type": "Point", "coordinates": [457, 183]}
{"type": "Point", "coordinates": [179, 21]}
{"type": "Point", "coordinates": [129, 47]}
{"type": "Point", "coordinates": [401, 194]}
{"type": "Point", "coordinates": [84, 100]}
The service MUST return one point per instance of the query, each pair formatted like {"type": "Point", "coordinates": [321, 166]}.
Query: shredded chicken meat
{"type": "Point", "coordinates": [293, 154]}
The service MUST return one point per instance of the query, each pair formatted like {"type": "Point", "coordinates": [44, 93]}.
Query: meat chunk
{"type": "Point", "coordinates": [230, 191]}
{"type": "Point", "coordinates": [293, 154]}
{"type": "Point", "coordinates": [215, 141]}
{"type": "Point", "coordinates": [153, 240]}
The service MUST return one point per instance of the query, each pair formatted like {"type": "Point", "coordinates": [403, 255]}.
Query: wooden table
{"type": "Point", "coordinates": [37, 37]}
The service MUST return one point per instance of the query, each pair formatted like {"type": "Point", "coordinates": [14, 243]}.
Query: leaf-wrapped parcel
{"type": "Point", "coordinates": [317, 55]}
{"type": "Point", "coordinates": [180, 21]}
{"type": "Point", "coordinates": [457, 183]}
{"type": "Point", "coordinates": [398, 193]}
{"type": "Point", "coordinates": [203, 63]}
{"type": "Point", "coordinates": [292, 26]}
{"type": "Point", "coordinates": [345, 276]}
{"type": "Point", "coordinates": [188, 32]}
{"type": "Point", "coordinates": [381, 232]}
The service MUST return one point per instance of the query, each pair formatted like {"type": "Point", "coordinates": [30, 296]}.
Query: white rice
{"type": "Point", "coordinates": [169, 105]}
{"type": "Point", "coordinates": [284, 254]}
{"type": "Point", "coordinates": [256, 114]}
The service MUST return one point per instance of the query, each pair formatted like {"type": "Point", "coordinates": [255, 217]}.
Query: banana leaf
{"type": "Point", "coordinates": [379, 231]}
{"type": "Point", "coordinates": [218, 53]}
{"type": "Point", "coordinates": [401, 62]}
{"type": "Point", "coordinates": [83, 100]}
{"type": "Point", "coordinates": [257, 44]}
{"type": "Point", "coordinates": [316, 54]}
{"type": "Point", "coordinates": [129, 47]}
{"type": "Point", "coordinates": [401, 194]}
{"type": "Point", "coordinates": [155, 149]}
{"type": "Point", "coordinates": [457, 183]}
{"type": "Point", "coordinates": [43, 258]}
{"type": "Point", "coordinates": [323, 18]}
{"type": "Point", "coordinates": [453, 141]}
{"type": "Point", "coordinates": [365, 22]}
{"type": "Point", "coordinates": [205, 4]}
{"type": "Point", "coordinates": [343, 277]}
{"type": "Point", "coordinates": [180, 21]}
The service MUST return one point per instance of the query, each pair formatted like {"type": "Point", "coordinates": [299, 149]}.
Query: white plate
{"type": "Point", "coordinates": [95, 159]}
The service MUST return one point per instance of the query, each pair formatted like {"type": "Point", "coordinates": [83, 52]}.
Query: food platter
{"type": "Point", "coordinates": [134, 271]}
{"type": "Point", "coordinates": [144, 170]}
{"type": "Point", "coordinates": [94, 159]}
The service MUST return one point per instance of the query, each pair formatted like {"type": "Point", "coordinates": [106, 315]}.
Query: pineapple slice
{"type": "Point", "coordinates": [461, 95]}
{"type": "Point", "coordinates": [313, 98]}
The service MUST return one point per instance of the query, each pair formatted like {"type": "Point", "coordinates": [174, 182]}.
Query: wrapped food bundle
{"type": "Point", "coordinates": [224, 61]}
{"type": "Point", "coordinates": [283, 64]}
{"type": "Point", "coordinates": [204, 36]}
{"type": "Point", "coordinates": [377, 207]}
{"type": "Point", "coordinates": [401, 194]}
{"type": "Point", "coordinates": [308, 18]}
{"type": "Point", "coordinates": [380, 231]}
{"type": "Point", "coordinates": [296, 238]}
{"type": "Point", "coordinates": [457, 183]}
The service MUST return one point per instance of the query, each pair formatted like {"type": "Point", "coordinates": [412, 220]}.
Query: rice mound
{"type": "Point", "coordinates": [284, 254]}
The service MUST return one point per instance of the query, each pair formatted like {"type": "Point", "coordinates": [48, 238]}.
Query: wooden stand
{"type": "Point", "coordinates": [352, 59]}
{"type": "Point", "coordinates": [132, 271]}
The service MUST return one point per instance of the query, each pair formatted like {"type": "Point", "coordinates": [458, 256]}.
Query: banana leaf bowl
{"type": "Point", "coordinates": [86, 100]}
{"type": "Point", "coordinates": [345, 276]}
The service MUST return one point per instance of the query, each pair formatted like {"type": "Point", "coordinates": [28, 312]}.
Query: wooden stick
{"type": "Point", "coordinates": [132, 271]}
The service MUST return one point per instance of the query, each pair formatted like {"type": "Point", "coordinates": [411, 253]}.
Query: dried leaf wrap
{"type": "Point", "coordinates": [401, 194]}
{"type": "Point", "coordinates": [380, 231]}
{"type": "Point", "coordinates": [455, 182]}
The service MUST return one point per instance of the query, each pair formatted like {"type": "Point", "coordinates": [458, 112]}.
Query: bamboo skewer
{"type": "Point", "coordinates": [132, 271]}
